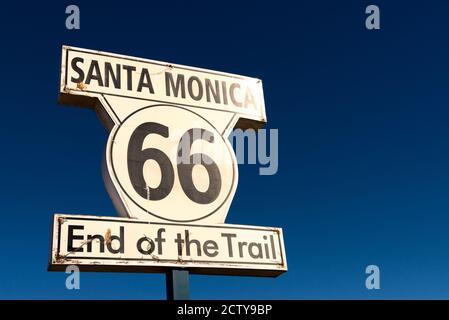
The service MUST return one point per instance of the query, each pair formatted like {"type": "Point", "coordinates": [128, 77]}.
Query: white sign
{"type": "Point", "coordinates": [119, 244]}
{"type": "Point", "coordinates": [167, 158]}
{"type": "Point", "coordinates": [168, 165]}
{"type": "Point", "coordinates": [91, 73]}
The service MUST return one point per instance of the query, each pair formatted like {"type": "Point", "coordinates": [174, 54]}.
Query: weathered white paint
{"type": "Point", "coordinates": [122, 254]}
{"type": "Point", "coordinates": [118, 88]}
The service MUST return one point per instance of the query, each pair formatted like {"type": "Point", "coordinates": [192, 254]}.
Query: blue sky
{"type": "Point", "coordinates": [363, 150]}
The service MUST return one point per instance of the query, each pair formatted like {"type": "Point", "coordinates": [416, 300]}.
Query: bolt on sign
{"type": "Point", "coordinates": [168, 167]}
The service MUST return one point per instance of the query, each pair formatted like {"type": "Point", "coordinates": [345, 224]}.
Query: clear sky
{"type": "Point", "coordinates": [363, 140]}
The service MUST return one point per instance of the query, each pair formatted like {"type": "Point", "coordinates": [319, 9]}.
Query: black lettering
{"type": "Point", "coordinates": [94, 73]}
{"type": "Point", "coordinates": [138, 157]}
{"type": "Point", "coordinates": [179, 242]}
{"type": "Point", "coordinates": [145, 81]}
{"type": "Point", "coordinates": [72, 237]}
{"type": "Point", "coordinates": [91, 239]}
{"type": "Point", "coordinates": [109, 73]}
{"type": "Point", "coordinates": [225, 92]}
{"type": "Point", "coordinates": [229, 237]}
{"type": "Point", "coordinates": [129, 76]}
{"type": "Point", "coordinates": [159, 240]}
{"type": "Point", "coordinates": [241, 245]}
{"type": "Point", "coordinates": [259, 250]}
{"type": "Point", "coordinates": [77, 70]}
{"type": "Point", "coordinates": [189, 242]}
{"type": "Point", "coordinates": [198, 96]}
{"type": "Point", "coordinates": [232, 95]}
{"type": "Point", "coordinates": [272, 247]}
{"type": "Point", "coordinates": [210, 245]}
{"type": "Point", "coordinates": [210, 90]}
{"type": "Point", "coordinates": [150, 245]}
{"type": "Point", "coordinates": [169, 83]}
{"type": "Point", "coordinates": [121, 238]}
{"type": "Point", "coordinates": [267, 253]}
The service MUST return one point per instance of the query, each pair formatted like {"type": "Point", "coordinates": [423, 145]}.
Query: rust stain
{"type": "Point", "coordinates": [81, 85]}
{"type": "Point", "coordinates": [107, 236]}
{"type": "Point", "coordinates": [59, 258]}
{"type": "Point", "coordinates": [155, 257]}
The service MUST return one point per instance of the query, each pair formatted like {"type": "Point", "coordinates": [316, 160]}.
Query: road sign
{"type": "Point", "coordinates": [121, 244]}
{"type": "Point", "coordinates": [167, 157]}
{"type": "Point", "coordinates": [168, 168]}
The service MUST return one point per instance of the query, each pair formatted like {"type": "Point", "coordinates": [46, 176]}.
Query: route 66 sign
{"type": "Point", "coordinates": [167, 158]}
{"type": "Point", "coordinates": [168, 167]}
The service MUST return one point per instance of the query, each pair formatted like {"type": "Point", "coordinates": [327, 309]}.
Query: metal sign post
{"type": "Point", "coordinates": [177, 284]}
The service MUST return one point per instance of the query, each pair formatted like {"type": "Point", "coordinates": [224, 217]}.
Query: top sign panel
{"type": "Point", "coordinates": [88, 73]}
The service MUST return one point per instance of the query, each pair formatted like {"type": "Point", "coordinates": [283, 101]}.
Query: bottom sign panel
{"type": "Point", "coordinates": [128, 245]}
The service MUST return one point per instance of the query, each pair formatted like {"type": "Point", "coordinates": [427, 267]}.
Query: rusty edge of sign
{"type": "Point", "coordinates": [60, 263]}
